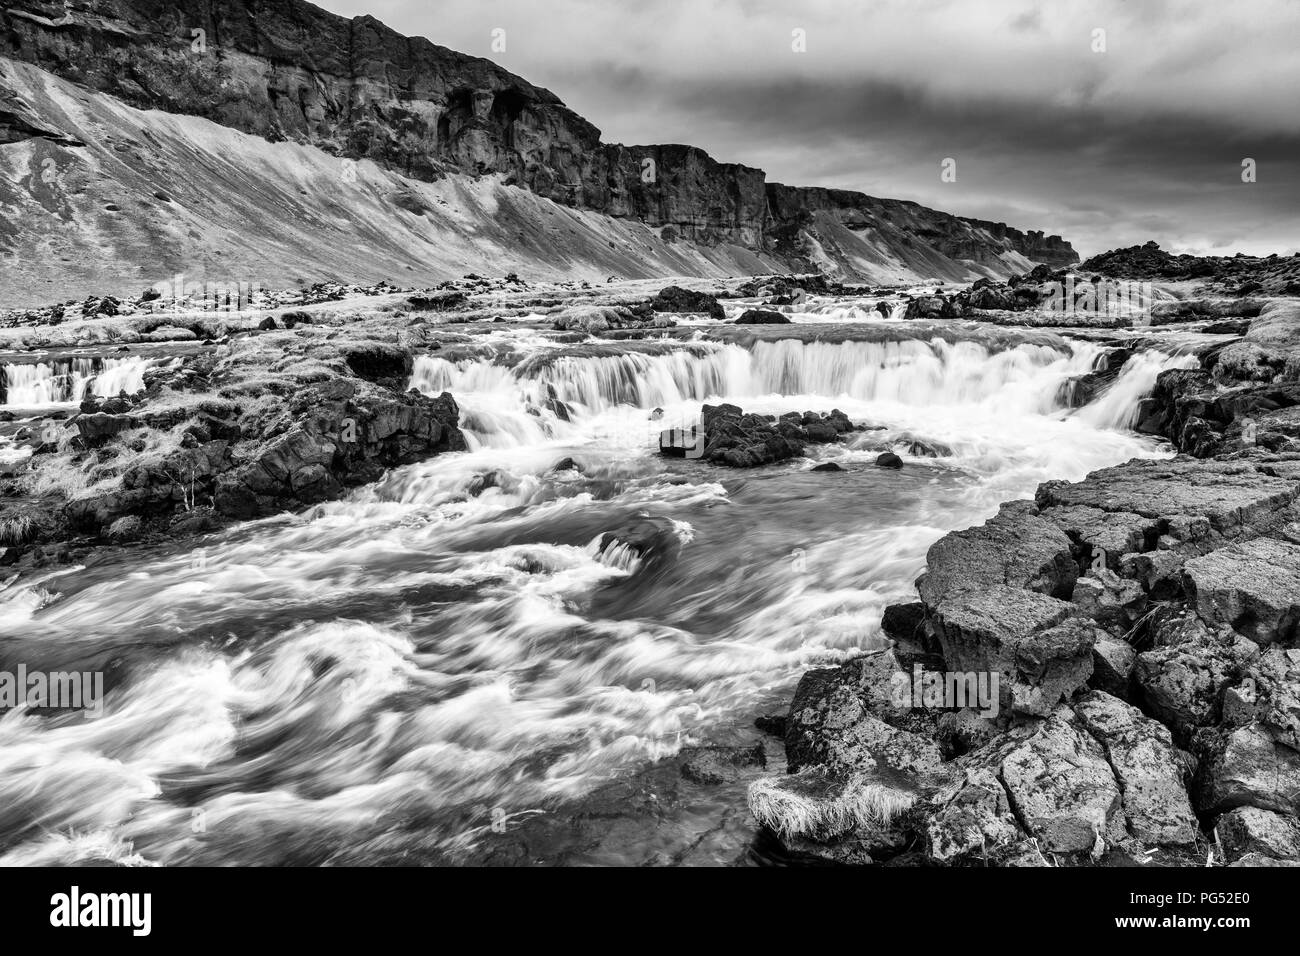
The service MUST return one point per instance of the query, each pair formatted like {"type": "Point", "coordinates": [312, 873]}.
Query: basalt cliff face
{"type": "Point", "coordinates": [284, 70]}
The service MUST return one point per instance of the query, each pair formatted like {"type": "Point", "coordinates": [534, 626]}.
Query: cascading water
{"type": "Point", "coordinates": [484, 638]}
{"type": "Point", "coordinates": [34, 385]}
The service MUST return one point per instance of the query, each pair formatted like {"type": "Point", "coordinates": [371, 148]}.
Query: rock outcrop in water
{"type": "Point", "coordinates": [1139, 635]}
{"type": "Point", "coordinates": [288, 71]}
{"type": "Point", "coordinates": [728, 436]}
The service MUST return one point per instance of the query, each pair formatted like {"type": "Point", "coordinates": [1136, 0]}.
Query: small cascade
{"type": "Point", "coordinates": [1117, 406]}
{"type": "Point", "coordinates": [34, 385]}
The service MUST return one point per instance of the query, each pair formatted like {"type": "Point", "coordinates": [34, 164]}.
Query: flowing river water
{"type": "Point", "coordinates": [451, 653]}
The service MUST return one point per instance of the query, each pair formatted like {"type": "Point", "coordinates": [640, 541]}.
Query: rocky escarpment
{"type": "Point", "coordinates": [1237, 275]}
{"type": "Point", "coordinates": [833, 225]}
{"type": "Point", "coordinates": [286, 70]}
{"type": "Point", "coordinates": [1109, 672]}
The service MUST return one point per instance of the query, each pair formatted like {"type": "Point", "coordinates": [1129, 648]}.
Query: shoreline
{"type": "Point", "coordinates": [1143, 624]}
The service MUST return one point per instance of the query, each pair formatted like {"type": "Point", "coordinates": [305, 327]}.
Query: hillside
{"type": "Point", "coordinates": [458, 165]}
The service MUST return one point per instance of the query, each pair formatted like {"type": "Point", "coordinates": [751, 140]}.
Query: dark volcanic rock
{"type": "Point", "coordinates": [342, 435]}
{"type": "Point", "coordinates": [733, 438]}
{"type": "Point", "coordinates": [1231, 275]}
{"type": "Point", "coordinates": [762, 317]}
{"type": "Point", "coordinates": [930, 307]}
{"type": "Point", "coordinates": [676, 299]}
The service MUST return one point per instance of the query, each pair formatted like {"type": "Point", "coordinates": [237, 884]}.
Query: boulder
{"type": "Point", "coordinates": [762, 317]}
{"type": "Point", "coordinates": [1149, 769]}
{"type": "Point", "coordinates": [930, 307]}
{"type": "Point", "coordinates": [1252, 830]}
{"type": "Point", "coordinates": [1022, 551]}
{"type": "Point", "coordinates": [676, 299]}
{"type": "Point", "coordinates": [1270, 694]}
{"type": "Point", "coordinates": [1063, 788]}
{"type": "Point", "coordinates": [1250, 769]}
{"type": "Point", "coordinates": [1113, 661]}
{"type": "Point", "coordinates": [1013, 633]}
{"type": "Point", "coordinates": [835, 716]}
{"type": "Point", "coordinates": [974, 817]}
{"type": "Point", "coordinates": [1113, 602]}
{"type": "Point", "coordinates": [1183, 684]}
{"type": "Point", "coordinates": [1254, 587]}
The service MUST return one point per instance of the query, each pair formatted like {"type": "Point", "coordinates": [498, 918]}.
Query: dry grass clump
{"type": "Point", "coordinates": [812, 804]}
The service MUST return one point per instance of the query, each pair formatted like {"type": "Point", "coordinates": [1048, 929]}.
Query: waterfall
{"type": "Point", "coordinates": [552, 394]}
{"type": "Point", "coordinates": [1117, 407]}
{"type": "Point", "coordinates": [33, 385]}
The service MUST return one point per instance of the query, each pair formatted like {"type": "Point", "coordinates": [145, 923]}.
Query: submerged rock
{"type": "Point", "coordinates": [715, 765]}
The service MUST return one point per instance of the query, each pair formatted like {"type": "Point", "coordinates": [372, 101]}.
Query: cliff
{"type": "Point", "coordinates": [285, 70]}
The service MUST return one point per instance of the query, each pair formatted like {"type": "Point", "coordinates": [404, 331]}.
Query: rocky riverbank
{"type": "Point", "coordinates": [1131, 648]}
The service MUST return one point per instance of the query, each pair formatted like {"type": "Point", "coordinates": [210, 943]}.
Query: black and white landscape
{"type": "Point", "coordinates": [394, 470]}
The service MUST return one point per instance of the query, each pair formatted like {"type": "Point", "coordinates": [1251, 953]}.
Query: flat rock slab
{"type": "Point", "coordinates": [1254, 587]}
{"type": "Point", "coordinates": [1231, 495]}
{"type": "Point", "coordinates": [1007, 631]}
{"type": "Point", "coordinates": [1011, 549]}
{"type": "Point", "coordinates": [1115, 533]}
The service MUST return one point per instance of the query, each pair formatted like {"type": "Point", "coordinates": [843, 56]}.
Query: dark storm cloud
{"type": "Point", "coordinates": [1142, 140]}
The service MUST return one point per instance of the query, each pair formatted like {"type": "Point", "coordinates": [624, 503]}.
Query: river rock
{"type": "Point", "coordinates": [1114, 602]}
{"type": "Point", "coordinates": [1183, 684]}
{"type": "Point", "coordinates": [974, 817]}
{"type": "Point", "coordinates": [1270, 694]}
{"type": "Point", "coordinates": [1147, 766]}
{"type": "Point", "coordinates": [1013, 633]}
{"type": "Point", "coordinates": [1253, 587]}
{"type": "Point", "coordinates": [930, 307]}
{"type": "Point", "coordinates": [1016, 551]}
{"type": "Point", "coordinates": [1113, 661]}
{"type": "Point", "coordinates": [342, 434]}
{"type": "Point", "coordinates": [1251, 830]}
{"type": "Point", "coordinates": [834, 719]}
{"type": "Point", "coordinates": [716, 765]}
{"type": "Point", "coordinates": [1250, 769]}
{"type": "Point", "coordinates": [762, 317]}
{"type": "Point", "coordinates": [676, 299]}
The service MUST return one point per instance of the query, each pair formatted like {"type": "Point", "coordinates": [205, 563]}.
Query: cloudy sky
{"type": "Point", "coordinates": [1107, 138]}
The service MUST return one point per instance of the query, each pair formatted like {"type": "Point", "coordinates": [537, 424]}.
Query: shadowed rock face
{"type": "Point", "coordinates": [286, 70]}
